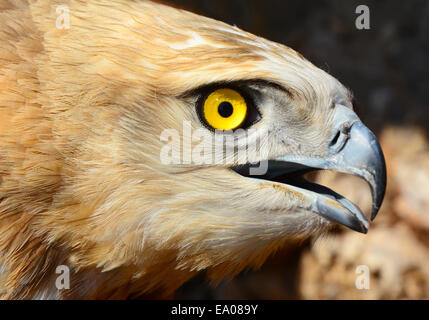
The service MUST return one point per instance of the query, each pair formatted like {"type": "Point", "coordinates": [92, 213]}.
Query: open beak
{"type": "Point", "coordinates": [354, 150]}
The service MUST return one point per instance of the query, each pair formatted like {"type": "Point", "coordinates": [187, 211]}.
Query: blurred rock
{"type": "Point", "coordinates": [410, 174]}
{"type": "Point", "coordinates": [397, 262]}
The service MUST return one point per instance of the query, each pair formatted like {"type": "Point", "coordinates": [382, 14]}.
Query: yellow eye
{"type": "Point", "coordinates": [225, 109]}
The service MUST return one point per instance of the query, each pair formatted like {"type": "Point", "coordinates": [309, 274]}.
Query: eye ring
{"type": "Point", "coordinates": [226, 108]}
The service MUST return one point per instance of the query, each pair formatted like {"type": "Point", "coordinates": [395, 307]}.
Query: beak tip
{"type": "Point", "coordinates": [374, 213]}
{"type": "Point", "coordinates": [364, 231]}
{"type": "Point", "coordinates": [363, 226]}
{"type": "Point", "coordinates": [359, 227]}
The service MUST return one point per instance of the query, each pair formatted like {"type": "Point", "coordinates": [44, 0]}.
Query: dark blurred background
{"type": "Point", "coordinates": [386, 67]}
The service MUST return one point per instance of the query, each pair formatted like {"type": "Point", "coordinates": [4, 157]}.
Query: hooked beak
{"type": "Point", "coordinates": [355, 150]}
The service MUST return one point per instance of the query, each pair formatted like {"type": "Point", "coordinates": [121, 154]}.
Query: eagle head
{"type": "Point", "coordinates": [167, 143]}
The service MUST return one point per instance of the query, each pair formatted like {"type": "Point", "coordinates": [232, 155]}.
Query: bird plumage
{"type": "Point", "coordinates": [81, 184]}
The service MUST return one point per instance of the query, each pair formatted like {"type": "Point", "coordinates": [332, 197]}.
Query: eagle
{"type": "Point", "coordinates": [98, 174]}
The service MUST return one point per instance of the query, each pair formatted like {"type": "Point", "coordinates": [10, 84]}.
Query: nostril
{"type": "Point", "coordinates": [335, 140]}
{"type": "Point", "coordinates": [340, 138]}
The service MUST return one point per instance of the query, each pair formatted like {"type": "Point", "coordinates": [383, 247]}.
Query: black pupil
{"type": "Point", "coordinates": [225, 109]}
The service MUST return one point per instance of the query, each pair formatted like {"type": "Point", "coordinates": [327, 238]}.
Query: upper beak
{"type": "Point", "coordinates": [362, 156]}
